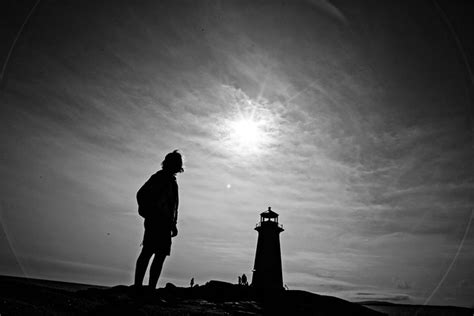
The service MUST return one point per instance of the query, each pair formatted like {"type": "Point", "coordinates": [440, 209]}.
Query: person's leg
{"type": "Point", "coordinates": [155, 269]}
{"type": "Point", "coordinates": [142, 264]}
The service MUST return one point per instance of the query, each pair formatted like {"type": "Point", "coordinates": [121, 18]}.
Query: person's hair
{"type": "Point", "coordinates": [173, 162]}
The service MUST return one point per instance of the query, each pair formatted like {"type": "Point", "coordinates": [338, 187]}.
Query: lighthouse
{"type": "Point", "coordinates": [267, 272]}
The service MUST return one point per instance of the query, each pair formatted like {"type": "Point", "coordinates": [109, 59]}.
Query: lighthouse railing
{"type": "Point", "coordinates": [260, 224]}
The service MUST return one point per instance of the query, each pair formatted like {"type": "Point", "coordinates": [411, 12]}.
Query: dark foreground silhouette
{"type": "Point", "coordinates": [19, 296]}
{"type": "Point", "coordinates": [158, 201]}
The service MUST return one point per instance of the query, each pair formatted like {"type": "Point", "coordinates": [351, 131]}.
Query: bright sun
{"type": "Point", "coordinates": [246, 134]}
{"type": "Point", "coordinates": [250, 127]}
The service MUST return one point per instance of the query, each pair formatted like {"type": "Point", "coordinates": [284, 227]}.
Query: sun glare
{"type": "Point", "coordinates": [246, 134]}
{"type": "Point", "coordinates": [250, 126]}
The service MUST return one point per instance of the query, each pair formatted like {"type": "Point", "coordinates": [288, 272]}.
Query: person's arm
{"type": "Point", "coordinates": [174, 229]}
{"type": "Point", "coordinates": [175, 213]}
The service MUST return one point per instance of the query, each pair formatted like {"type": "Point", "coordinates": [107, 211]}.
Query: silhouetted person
{"type": "Point", "coordinates": [239, 280]}
{"type": "Point", "coordinates": [192, 282]}
{"type": "Point", "coordinates": [158, 203]}
{"type": "Point", "coordinates": [244, 280]}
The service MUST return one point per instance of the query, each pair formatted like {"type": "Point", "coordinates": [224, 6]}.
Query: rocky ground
{"type": "Point", "coordinates": [19, 296]}
{"type": "Point", "coordinates": [35, 297]}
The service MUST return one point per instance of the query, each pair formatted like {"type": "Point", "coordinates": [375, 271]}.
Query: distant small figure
{"type": "Point", "coordinates": [192, 282]}
{"type": "Point", "coordinates": [240, 280]}
{"type": "Point", "coordinates": [244, 280]}
{"type": "Point", "coordinates": [158, 204]}
{"type": "Point", "coordinates": [286, 287]}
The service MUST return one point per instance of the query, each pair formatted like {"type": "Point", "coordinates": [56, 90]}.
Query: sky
{"type": "Point", "coordinates": [352, 120]}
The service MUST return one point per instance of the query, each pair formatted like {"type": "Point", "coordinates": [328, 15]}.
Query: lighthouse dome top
{"type": "Point", "coordinates": [269, 213]}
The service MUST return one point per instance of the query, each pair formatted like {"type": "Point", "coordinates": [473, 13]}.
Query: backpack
{"type": "Point", "coordinates": [150, 197]}
{"type": "Point", "coordinates": [145, 198]}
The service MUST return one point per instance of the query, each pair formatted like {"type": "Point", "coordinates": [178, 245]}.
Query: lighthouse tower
{"type": "Point", "coordinates": [267, 272]}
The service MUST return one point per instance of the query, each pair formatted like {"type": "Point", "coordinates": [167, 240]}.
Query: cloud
{"type": "Point", "coordinates": [367, 296]}
{"type": "Point", "coordinates": [82, 272]}
{"type": "Point", "coordinates": [401, 284]}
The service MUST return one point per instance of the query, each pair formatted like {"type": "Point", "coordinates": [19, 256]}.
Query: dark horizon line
{"type": "Point", "coordinates": [366, 302]}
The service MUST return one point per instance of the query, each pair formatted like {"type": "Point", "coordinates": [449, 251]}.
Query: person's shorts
{"type": "Point", "coordinates": [157, 239]}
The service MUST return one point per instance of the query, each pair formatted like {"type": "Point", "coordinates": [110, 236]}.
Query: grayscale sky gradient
{"type": "Point", "coordinates": [366, 152]}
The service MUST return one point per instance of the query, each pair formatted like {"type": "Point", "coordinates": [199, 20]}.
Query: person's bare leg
{"type": "Point", "coordinates": [142, 264]}
{"type": "Point", "coordinates": [155, 269]}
